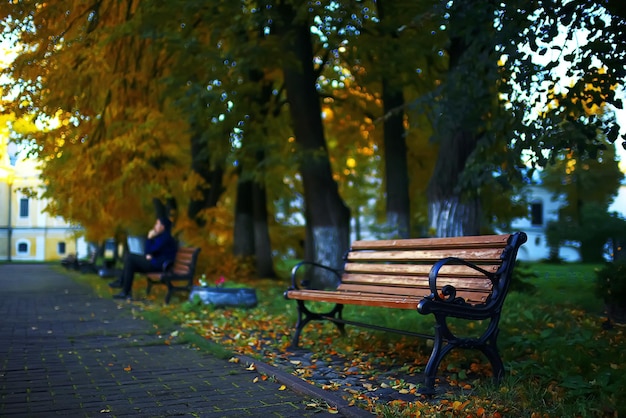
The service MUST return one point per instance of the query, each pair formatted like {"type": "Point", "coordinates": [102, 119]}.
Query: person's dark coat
{"type": "Point", "coordinates": [163, 247]}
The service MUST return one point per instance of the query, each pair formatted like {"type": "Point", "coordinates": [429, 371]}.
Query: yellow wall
{"type": "Point", "coordinates": [39, 231]}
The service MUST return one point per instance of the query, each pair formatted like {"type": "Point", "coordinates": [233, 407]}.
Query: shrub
{"type": "Point", "coordinates": [611, 283]}
{"type": "Point", "coordinates": [522, 273]}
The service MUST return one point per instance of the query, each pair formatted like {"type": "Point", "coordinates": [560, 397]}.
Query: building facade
{"type": "Point", "coordinates": [27, 232]}
{"type": "Point", "coordinates": [543, 209]}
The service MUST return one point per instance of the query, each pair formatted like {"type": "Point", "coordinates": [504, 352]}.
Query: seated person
{"type": "Point", "coordinates": [160, 248]}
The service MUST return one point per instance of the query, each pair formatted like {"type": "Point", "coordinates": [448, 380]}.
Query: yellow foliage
{"type": "Point", "coordinates": [570, 166]}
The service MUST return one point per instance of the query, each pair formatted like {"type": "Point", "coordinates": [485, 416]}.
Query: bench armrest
{"type": "Point", "coordinates": [305, 284]}
{"type": "Point", "coordinates": [447, 302]}
{"type": "Point", "coordinates": [448, 291]}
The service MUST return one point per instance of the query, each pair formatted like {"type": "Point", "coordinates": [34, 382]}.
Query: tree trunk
{"type": "Point", "coordinates": [159, 207]}
{"type": "Point", "coordinates": [453, 209]}
{"type": "Point", "coordinates": [243, 236]}
{"type": "Point", "coordinates": [256, 223]}
{"type": "Point", "coordinates": [451, 212]}
{"type": "Point", "coordinates": [453, 217]}
{"type": "Point", "coordinates": [396, 168]}
{"type": "Point", "coordinates": [213, 187]}
{"type": "Point", "coordinates": [262, 243]}
{"type": "Point", "coordinates": [328, 216]}
{"type": "Point", "coordinates": [251, 236]}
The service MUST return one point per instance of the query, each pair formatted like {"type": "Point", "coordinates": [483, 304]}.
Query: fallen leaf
{"type": "Point", "coordinates": [282, 387]}
{"type": "Point", "coordinates": [127, 368]}
{"type": "Point", "coordinates": [251, 367]}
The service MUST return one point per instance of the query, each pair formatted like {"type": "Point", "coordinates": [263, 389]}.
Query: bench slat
{"type": "Point", "coordinates": [374, 299]}
{"type": "Point", "coordinates": [417, 269]}
{"type": "Point", "coordinates": [484, 241]}
{"type": "Point", "coordinates": [389, 301]}
{"type": "Point", "coordinates": [374, 280]}
{"type": "Point", "coordinates": [472, 296]}
{"type": "Point", "coordinates": [387, 290]}
{"type": "Point", "coordinates": [481, 255]}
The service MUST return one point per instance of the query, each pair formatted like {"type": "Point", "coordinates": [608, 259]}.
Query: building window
{"type": "Point", "coordinates": [536, 214]}
{"type": "Point", "coordinates": [23, 247]}
{"type": "Point", "coordinates": [61, 248]}
{"type": "Point", "coordinates": [23, 208]}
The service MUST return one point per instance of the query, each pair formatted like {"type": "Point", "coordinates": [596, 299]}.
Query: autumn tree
{"type": "Point", "coordinates": [251, 229]}
{"type": "Point", "coordinates": [181, 101]}
{"type": "Point", "coordinates": [93, 86]}
{"type": "Point", "coordinates": [496, 85]}
{"type": "Point", "coordinates": [392, 49]}
{"type": "Point", "coordinates": [246, 47]}
{"type": "Point", "coordinates": [568, 47]}
{"type": "Point", "coordinates": [328, 218]}
{"type": "Point", "coordinates": [588, 186]}
{"type": "Point", "coordinates": [467, 96]}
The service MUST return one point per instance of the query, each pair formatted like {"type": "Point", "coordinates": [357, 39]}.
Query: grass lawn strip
{"type": "Point", "coordinates": [559, 359]}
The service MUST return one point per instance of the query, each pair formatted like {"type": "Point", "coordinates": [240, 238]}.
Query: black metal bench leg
{"type": "Point", "coordinates": [337, 313]}
{"type": "Point", "coordinates": [305, 316]}
{"type": "Point", "coordinates": [303, 319]}
{"type": "Point", "coordinates": [440, 349]}
{"type": "Point", "coordinates": [170, 290]}
{"type": "Point", "coordinates": [490, 350]}
{"type": "Point", "coordinates": [496, 362]}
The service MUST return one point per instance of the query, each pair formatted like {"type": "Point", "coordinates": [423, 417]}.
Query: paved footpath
{"type": "Point", "coordinates": [65, 351]}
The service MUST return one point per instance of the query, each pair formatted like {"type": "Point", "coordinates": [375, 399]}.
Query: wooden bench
{"type": "Point", "coordinates": [88, 265]}
{"type": "Point", "coordinates": [177, 276]}
{"type": "Point", "coordinates": [462, 277]}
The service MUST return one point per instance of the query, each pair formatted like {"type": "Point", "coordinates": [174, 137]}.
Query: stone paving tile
{"type": "Point", "coordinates": [66, 352]}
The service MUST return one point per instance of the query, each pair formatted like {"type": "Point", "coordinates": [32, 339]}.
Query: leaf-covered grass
{"type": "Point", "coordinates": [560, 359]}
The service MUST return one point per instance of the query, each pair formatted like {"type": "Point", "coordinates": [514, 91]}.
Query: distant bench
{"type": "Point", "coordinates": [462, 277]}
{"type": "Point", "coordinates": [178, 275]}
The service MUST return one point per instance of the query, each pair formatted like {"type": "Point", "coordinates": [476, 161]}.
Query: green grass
{"type": "Point", "coordinates": [565, 284]}
{"type": "Point", "coordinates": [560, 361]}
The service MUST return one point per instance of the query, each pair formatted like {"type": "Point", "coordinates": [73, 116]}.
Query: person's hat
{"type": "Point", "coordinates": [166, 222]}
